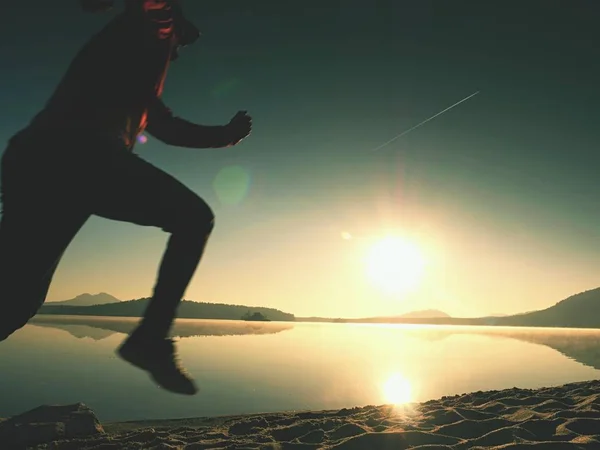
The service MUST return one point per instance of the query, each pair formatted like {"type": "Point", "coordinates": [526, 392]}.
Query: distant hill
{"type": "Point", "coordinates": [425, 314]}
{"type": "Point", "coordinates": [187, 310]}
{"type": "Point", "coordinates": [577, 311]}
{"type": "Point", "coordinates": [88, 300]}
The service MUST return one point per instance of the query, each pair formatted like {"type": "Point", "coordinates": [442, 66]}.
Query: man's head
{"type": "Point", "coordinates": [166, 16]}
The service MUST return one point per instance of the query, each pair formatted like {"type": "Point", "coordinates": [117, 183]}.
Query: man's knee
{"type": "Point", "coordinates": [198, 219]}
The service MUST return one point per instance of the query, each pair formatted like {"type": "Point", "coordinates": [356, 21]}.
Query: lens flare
{"type": "Point", "coordinates": [232, 184]}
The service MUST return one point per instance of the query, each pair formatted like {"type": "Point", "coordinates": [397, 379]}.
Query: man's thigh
{"type": "Point", "coordinates": [130, 189]}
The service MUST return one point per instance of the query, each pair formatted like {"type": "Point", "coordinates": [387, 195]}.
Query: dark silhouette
{"type": "Point", "coordinates": [76, 159]}
{"type": "Point", "coordinates": [186, 310]}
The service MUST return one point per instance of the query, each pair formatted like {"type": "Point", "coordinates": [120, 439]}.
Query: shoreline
{"type": "Point", "coordinates": [475, 322]}
{"type": "Point", "coordinates": [562, 417]}
{"type": "Point", "coordinates": [85, 319]}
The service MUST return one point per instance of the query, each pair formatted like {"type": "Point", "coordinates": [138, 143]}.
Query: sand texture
{"type": "Point", "coordinates": [562, 418]}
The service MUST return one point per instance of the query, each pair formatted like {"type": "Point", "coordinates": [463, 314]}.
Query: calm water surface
{"type": "Point", "coordinates": [246, 367]}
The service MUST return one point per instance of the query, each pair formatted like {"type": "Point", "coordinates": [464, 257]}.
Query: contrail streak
{"type": "Point", "coordinates": [424, 122]}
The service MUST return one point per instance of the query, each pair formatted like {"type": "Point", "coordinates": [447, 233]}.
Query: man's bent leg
{"type": "Point", "coordinates": [184, 250]}
{"type": "Point", "coordinates": [180, 260]}
{"type": "Point", "coordinates": [140, 193]}
{"type": "Point", "coordinates": [143, 194]}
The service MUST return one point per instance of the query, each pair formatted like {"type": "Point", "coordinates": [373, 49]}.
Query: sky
{"type": "Point", "coordinates": [500, 195]}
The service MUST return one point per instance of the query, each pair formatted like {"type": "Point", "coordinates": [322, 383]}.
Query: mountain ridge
{"type": "Point", "coordinates": [87, 299]}
{"type": "Point", "coordinates": [580, 310]}
{"type": "Point", "coordinates": [187, 310]}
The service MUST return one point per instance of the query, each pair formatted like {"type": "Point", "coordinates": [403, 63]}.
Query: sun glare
{"type": "Point", "coordinates": [395, 264]}
{"type": "Point", "coordinates": [397, 390]}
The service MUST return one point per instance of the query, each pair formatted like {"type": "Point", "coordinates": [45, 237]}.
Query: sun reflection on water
{"type": "Point", "coordinates": [397, 390]}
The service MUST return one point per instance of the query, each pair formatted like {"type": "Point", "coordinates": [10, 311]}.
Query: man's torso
{"type": "Point", "coordinates": [109, 85]}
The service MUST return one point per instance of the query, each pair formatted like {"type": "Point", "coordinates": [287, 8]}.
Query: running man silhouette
{"type": "Point", "coordinates": [75, 159]}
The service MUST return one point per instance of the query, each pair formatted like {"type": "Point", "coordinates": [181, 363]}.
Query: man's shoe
{"type": "Point", "coordinates": [157, 356]}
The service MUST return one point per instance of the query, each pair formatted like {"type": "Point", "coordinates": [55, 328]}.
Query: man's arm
{"type": "Point", "coordinates": [179, 132]}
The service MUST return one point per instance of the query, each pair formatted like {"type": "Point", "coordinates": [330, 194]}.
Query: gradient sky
{"type": "Point", "coordinates": [502, 193]}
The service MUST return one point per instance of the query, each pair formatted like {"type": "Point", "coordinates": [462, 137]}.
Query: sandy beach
{"type": "Point", "coordinates": [564, 417]}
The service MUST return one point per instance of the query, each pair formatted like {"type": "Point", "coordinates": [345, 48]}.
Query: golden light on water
{"type": "Point", "coordinates": [397, 390]}
{"type": "Point", "coordinates": [395, 264]}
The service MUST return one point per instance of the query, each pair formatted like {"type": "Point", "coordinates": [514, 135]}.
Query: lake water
{"type": "Point", "coordinates": [248, 367]}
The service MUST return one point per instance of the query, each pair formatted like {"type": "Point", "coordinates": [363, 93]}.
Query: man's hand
{"type": "Point", "coordinates": [238, 128]}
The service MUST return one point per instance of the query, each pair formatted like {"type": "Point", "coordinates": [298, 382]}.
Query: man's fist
{"type": "Point", "coordinates": [238, 128]}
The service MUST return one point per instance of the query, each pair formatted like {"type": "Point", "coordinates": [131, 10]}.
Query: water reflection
{"type": "Point", "coordinates": [581, 345]}
{"type": "Point", "coordinates": [98, 328]}
{"type": "Point", "coordinates": [252, 367]}
{"type": "Point", "coordinates": [397, 390]}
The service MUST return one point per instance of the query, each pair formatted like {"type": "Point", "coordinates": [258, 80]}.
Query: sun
{"type": "Point", "coordinates": [395, 264]}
